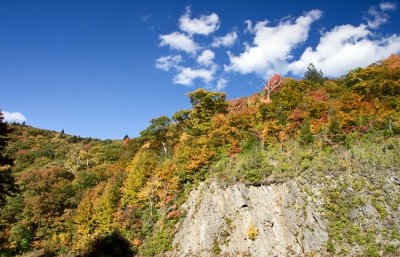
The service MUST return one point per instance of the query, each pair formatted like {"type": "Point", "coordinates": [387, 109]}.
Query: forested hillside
{"type": "Point", "coordinates": [80, 195]}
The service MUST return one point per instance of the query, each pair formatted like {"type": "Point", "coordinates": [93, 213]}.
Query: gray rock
{"type": "Point", "coordinates": [281, 222]}
{"type": "Point", "coordinates": [369, 211]}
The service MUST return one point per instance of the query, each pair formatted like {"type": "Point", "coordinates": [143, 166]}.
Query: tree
{"type": "Point", "coordinates": [182, 118]}
{"type": "Point", "coordinates": [8, 186]}
{"type": "Point", "coordinates": [62, 133]}
{"type": "Point", "coordinates": [205, 105]}
{"type": "Point", "coordinates": [273, 83]}
{"type": "Point", "coordinates": [157, 132]}
{"type": "Point", "coordinates": [314, 75]}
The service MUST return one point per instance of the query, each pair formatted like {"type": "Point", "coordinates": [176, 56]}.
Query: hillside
{"type": "Point", "coordinates": [305, 167]}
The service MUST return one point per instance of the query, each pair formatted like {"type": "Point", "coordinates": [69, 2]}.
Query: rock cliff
{"type": "Point", "coordinates": [240, 220]}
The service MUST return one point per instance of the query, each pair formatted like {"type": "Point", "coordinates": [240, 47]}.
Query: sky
{"type": "Point", "coordinates": [103, 69]}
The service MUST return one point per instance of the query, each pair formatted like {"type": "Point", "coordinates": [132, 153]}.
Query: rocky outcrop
{"type": "Point", "coordinates": [242, 220]}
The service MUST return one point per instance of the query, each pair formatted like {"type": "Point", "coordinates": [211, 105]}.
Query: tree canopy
{"type": "Point", "coordinates": [8, 186]}
{"type": "Point", "coordinates": [313, 74]}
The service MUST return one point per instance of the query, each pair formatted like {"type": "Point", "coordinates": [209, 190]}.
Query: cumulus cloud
{"type": "Point", "coordinates": [179, 41]}
{"type": "Point", "coordinates": [206, 58]}
{"type": "Point", "coordinates": [204, 25]}
{"type": "Point", "coordinates": [165, 63]}
{"type": "Point", "coordinates": [344, 48]}
{"type": "Point", "coordinates": [272, 46]}
{"type": "Point", "coordinates": [227, 40]}
{"type": "Point", "coordinates": [186, 76]}
{"type": "Point", "coordinates": [13, 117]}
{"type": "Point", "coordinates": [378, 16]}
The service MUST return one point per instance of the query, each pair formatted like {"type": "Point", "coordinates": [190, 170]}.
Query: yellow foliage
{"type": "Point", "coordinates": [270, 130]}
{"type": "Point", "coordinates": [139, 170]}
{"type": "Point", "coordinates": [183, 138]}
{"type": "Point", "coordinates": [252, 231]}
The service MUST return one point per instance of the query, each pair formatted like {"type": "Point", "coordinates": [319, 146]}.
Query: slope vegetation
{"type": "Point", "coordinates": [334, 142]}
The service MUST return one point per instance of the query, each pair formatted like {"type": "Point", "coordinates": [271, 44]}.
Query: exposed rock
{"type": "Point", "coordinates": [369, 211]}
{"type": "Point", "coordinates": [281, 219]}
{"type": "Point", "coordinates": [354, 214]}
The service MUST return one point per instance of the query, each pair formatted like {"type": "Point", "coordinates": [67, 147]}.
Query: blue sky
{"type": "Point", "coordinates": [105, 68]}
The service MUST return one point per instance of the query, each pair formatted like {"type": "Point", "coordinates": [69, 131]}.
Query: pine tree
{"type": "Point", "coordinates": [314, 75]}
{"type": "Point", "coordinates": [8, 186]}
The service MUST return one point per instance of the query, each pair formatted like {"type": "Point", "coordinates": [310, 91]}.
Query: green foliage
{"type": "Point", "coordinates": [305, 133]}
{"type": "Point", "coordinates": [8, 186]}
{"type": "Point", "coordinates": [76, 192]}
{"type": "Point", "coordinates": [313, 74]}
{"type": "Point", "coordinates": [182, 118]}
{"type": "Point", "coordinates": [158, 242]}
{"type": "Point", "coordinates": [205, 105]}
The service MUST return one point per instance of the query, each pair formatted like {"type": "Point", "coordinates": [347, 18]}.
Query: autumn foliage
{"type": "Point", "coordinates": [78, 192]}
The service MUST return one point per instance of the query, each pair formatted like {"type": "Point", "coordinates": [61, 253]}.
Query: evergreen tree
{"type": "Point", "coordinates": [313, 74]}
{"type": "Point", "coordinates": [62, 134]}
{"type": "Point", "coordinates": [8, 186]}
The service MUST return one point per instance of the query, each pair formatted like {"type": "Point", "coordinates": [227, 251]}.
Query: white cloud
{"type": "Point", "coordinates": [165, 63]}
{"type": "Point", "coordinates": [272, 46]}
{"type": "Point", "coordinates": [13, 117]}
{"type": "Point", "coordinates": [204, 25]}
{"type": "Point", "coordinates": [227, 40]}
{"type": "Point", "coordinates": [388, 6]}
{"type": "Point", "coordinates": [206, 58]}
{"type": "Point", "coordinates": [378, 16]}
{"type": "Point", "coordinates": [179, 41]}
{"type": "Point", "coordinates": [344, 48]}
{"type": "Point", "coordinates": [221, 84]}
{"type": "Point", "coordinates": [186, 76]}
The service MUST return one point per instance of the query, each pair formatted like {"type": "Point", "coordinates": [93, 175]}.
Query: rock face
{"type": "Point", "coordinates": [240, 220]}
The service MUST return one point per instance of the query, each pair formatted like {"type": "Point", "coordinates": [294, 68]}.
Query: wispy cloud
{"type": "Point", "coordinates": [378, 15]}
{"type": "Point", "coordinates": [13, 116]}
{"type": "Point", "coordinates": [221, 84]}
{"type": "Point", "coordinates": [388, 6]}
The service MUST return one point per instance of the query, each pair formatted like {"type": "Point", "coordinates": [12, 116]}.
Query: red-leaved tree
{"type": "Point", "coordinates": [273, 83]}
